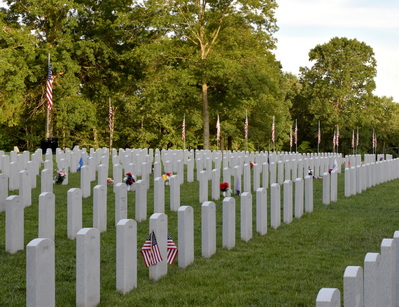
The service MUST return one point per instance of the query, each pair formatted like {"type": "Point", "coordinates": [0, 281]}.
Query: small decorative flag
{"type": "Point", "coordinates": [49, 86]}
{"type": "Point", "coordinates": [150, 251]}
{"type": "Point", "coordinates": [218, 129]}
{"type": "Point", "coordinates": [171, 250]}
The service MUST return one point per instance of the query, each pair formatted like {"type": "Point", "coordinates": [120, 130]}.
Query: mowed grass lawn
{"type": "Point", "coordinates": [285, 267]}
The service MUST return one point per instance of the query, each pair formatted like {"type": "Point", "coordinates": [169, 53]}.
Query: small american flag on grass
{"type": "Point", "coordinates": [172, 250]}
{"type": "Point", "coordinates": [150, 251]}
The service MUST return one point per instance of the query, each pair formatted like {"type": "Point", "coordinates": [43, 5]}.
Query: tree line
{"type": "Point", "coordinates": [159, 61]}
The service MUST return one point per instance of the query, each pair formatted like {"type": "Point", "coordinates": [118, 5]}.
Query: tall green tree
{"type": "Point", "coordinates": [213, 40]}
{"type": "Point", "coordinates": [338, 87]}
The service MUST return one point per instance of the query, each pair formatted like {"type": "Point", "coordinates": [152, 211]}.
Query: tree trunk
{"type": "Point", "coordinates": [205, 115]}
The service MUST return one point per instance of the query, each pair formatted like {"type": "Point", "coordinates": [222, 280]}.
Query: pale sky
{"type": "Point", "coordinates": [306, 23]}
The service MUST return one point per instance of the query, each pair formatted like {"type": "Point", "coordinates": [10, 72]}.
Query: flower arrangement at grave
{"type": "Point", "coordinates": [166, 177]}
{"type": "Point", "coordinates": [60, 176]}
{"type": "Point", "coordinates": [224, 187]}
{"type": "Point", "coordinates": [110, 181]}
{"type": "Point", "coordinates": [129, 180]}
{"type": "Point", "coordinates": [251, 164]}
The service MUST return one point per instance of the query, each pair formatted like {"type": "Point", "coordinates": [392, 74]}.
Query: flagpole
{"type": "Point", "coordinates": [184, 132]}
{"type": "Point", "coordinates": [49, 131]}
{"type": "Point", "coordinates": [246, 130]}
{"type": "Point", "coordinates": [111, 125]}
{"type": "Point", "coordinates": [318, 138]}
{"type": "Point", "coordinates": [296, 135]}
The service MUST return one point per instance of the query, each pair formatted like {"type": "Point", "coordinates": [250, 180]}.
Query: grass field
{"type": "Point", "coordinates": [285, 267]}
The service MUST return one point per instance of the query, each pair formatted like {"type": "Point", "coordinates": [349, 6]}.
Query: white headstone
{"type": "Point", "coordinates": [13, 176]}
{"type": "Point", "coordinates": [203, 187]}
{"type": "Point", "coordinates": [47, 215]}
{"type": "Point", "coordinates": [46, 181]}
{"type": "Point", "coordinates": [215, 184]}
{"type": "Point", "coordinates": [88, 267]}
{"type": "Point", "coordinates": [388, 271]}
{"type": "Point", "coordinates": [326, 189]}
{"type": "Point", "coordinates": [308, 194]}
{"type": "Point", "coordinates": [299, 197]}
{"type": "Point", "coordinates": [120, 202]}
{"type": "Point", "coordinates": [40, 273]}
{"type": "Point", "coordinates": [287, 207]}
{"type": "Point", "coordinates": [208, 229]}
{"type": "Point", "coordinates": [141, 201]}
{"type": "Point", "coordinates": [126, 255]}
{"type": "Point", "coordinates": [229, 223]}
{"type": "Point", "coordinates": [14, 224]}
{"type": "Point", "coordinates": [100, 207]}
{"type": "Point", "coordinates": [85, 184]}
{"type": "Point", "coordinates": [247, 178]}
{"type": "Point", "coordinates": [185, 222]}
{"type": "Point", "coordinates": [74, 208]}
{"type": "Point", "coordinates": [353, 286]}
{"type": "Point", "coordinates": [174, 184]}
{"type": "Point", "coordinates": [246, 216]}
{"type": "Point", "coordinates": [159, 195]}
{"type": "Point", "coordinates": [159, 225]}
{"type": "Point", "coordinates": [372, 280]}
{"type": "Point", "coordinates": [334, 186]}
{"type": "Point", "coordinates": [328, 297]}
{"type": "Point", "coordinates": [3, 191]}
{"type": "Point", "coordinates": [102, 174]}
{"type": "Point", "coordinates": [261, 211]}
{"type": "Point", "coordinates": [275, 206]}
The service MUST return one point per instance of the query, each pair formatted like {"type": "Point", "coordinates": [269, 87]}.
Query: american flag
{"type": "Point", "coordinates": [218, 129]}
{"type": "Point", "coordinates": [183, 130]}
{"type": "Point", "coordinates": [246, 127]}
{"type": "Point", "coordinates": [290, 136]}
{"type": "Point", "coordinates": [171, 250]}
{"type": "Point", "coordinates": [150, 251]}
{"type": "Point", "coordinates": [273, 130]}
{"type": "Point", "coordinates": [318, 135]}
{"type": "Point", "coordinates": [49, 87]}
{"type": "Point", "coordinates": [337, 138]}
{"type": "Point", "coordinates": [357, 137]}
{"type": "Point", "coordinates": [374, 140]}
{"type": "Point", "coordinates": [111, 119]}
{"type": "Point", "coordinates": [334, 140]}
{"type": "Point", "coordinates": [296, 132]}
{"type": "Point", "coordinates": [353, 138]}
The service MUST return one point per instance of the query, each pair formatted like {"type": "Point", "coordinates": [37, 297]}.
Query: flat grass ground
{"type": "Point", "coordinates": [285, 267]}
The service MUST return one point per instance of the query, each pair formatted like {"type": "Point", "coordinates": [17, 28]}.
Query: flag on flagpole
{"type": "Point", "coordinates": [296, 132]}
{"type": "Point", "coordinates": [290, 137]}
{"type": "Point", "coordinates": [111, 118]}
{"type": "Point", "coordinates": [337, 138]}
{"type": "Point", "coordinates": [318, 135]}
{"type": "Point", "coordinates": [353, 138]}
{"type": "Point", "coordinates": [171, 250]}
{"type": "Point", "coordinates": [183, 129]}
{"type": "Point", "coordinates": [150, 251]}
{"type": "Point", "coordinates": [334, 140]}
{"type": "Point", "coordinates": [246, 126]}
{"type": "Point", "coordinates": [49, 86]}
{"type": "Point", "coordinates": [218, 129]}
{"type": "Point", "coordinates": [357, 137]}
{"type": "Point", "coordinates": [273, 130]}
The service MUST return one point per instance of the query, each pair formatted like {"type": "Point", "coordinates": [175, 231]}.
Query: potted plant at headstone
{"type": "Point", "coordinates": [129, 180]}
{"type": "Point", "coordinates": [60, 176]}
{"type": "Point", "coordinates": [224, 187]}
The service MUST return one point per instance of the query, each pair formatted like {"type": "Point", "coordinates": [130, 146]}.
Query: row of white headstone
{"type": "Point", "coordinates": [375, 170]}
{"type": "Point", "coordinates": [374, 285]}
{"type": "Point", "coordinates": [14, 230]}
